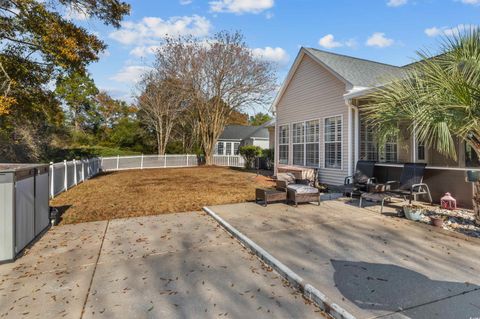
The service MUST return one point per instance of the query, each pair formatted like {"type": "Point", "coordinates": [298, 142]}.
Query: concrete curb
{"type": "Point", "coordinates": [308, 291]}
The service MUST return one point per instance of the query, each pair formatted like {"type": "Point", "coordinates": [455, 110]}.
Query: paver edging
{"type": "Point", "coordinates": [308, 291]}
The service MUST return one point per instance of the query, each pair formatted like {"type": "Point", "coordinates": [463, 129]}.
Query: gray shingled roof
{"type": "Point", "coordinates": [358, 72]}
{"type": "Point", "coordinates": [240, 132]}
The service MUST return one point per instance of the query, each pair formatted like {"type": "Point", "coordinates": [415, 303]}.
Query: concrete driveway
{"type": "Point", "coordinates": [167, 266]}
{"type": "Point", "coordinates": [371, 265]}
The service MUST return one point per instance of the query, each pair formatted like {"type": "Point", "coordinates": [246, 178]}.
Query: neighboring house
{"type": "Point", "coordinates": [319, 124]}
{"type": "Point", "coordinates": [235, 136]}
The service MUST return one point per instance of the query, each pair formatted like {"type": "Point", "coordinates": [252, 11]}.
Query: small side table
{"type": "Point", "coordinates": [269, 195]}
{"type": "Point", "coordinates": [381, 197]}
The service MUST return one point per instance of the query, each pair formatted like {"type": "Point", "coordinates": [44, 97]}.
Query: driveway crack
{"type": "Point", "coordinates": [94, 269]}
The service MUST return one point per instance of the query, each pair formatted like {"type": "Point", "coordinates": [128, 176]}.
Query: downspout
{"type": "Point", "coordinates": [275, 146]}
{"type": "Point", "coordinates": [350, 156]}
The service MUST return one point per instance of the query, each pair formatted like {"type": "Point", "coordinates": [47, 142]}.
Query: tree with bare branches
{"type": "Point", "coordinates": [160, 103]}
{"type": "Point", "coordinates": [219, 75]}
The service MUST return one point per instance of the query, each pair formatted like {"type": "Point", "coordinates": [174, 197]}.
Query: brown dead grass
{"type": "Point", "coordinates": [156, 191]}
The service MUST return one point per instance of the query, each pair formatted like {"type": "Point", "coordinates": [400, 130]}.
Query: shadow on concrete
{"type": "Point", "coordinates": [393, 288]}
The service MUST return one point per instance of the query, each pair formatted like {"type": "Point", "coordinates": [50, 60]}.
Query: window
{"type": "Point", "coordinates": [421, 155]}
{"type": "Point", "coordinates": [370, 150]}
{"type": "Point", "coordinates": [283, 141]}
{"type": "Point", "coordinates": [333, 142]}
{"type": "Point", "coordinates": [235, 148]}
{"type": "Point", "coordinates": [312, 131]}
{"type": "Point", "coordinates": [298, 139]}
{"type": "Point", "coordinates": [471, 157]}
{"type": "Point", "coordinates": [220, 146]}
{"type": "Point", "coordinates": [228, 149]}
{"type": "Point", "coordinates": [390, 151]}
{"type": "Point", "coordinates": [368, 145]}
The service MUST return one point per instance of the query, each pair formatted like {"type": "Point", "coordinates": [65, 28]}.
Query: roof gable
{"type": "Point", "coordinates": [354, 72]}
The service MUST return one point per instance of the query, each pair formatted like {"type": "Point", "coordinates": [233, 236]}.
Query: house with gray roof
{"type": "Point", "coordinates": [234, 136]}
{"type": "Point", "coordinates": [320, 127]}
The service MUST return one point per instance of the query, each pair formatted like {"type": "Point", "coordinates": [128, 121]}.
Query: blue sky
{"type": "Point", "coordinates": [388, 31]}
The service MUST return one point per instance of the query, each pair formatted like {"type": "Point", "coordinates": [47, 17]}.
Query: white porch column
{"type": "Point", "coordinates": [275, 149]}
{"type": "Point", "coordinates": [349, 141]}
{"type": "Point", "coordinates": [414, 144]}
{"type": "Point", "coordinates": [356, 135]}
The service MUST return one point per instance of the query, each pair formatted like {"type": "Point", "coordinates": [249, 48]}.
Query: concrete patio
{"type": "Point", "coordinates": [166, 266]}
{"type": "Point", "coordinates": [371, 265]}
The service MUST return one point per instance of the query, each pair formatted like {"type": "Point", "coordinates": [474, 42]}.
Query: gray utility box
{"type": "Point", "coordinates": [24, 210]}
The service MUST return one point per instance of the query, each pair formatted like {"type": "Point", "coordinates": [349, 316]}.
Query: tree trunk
{"type": "Point", "coordinates": [208, 159]}
{"type": "Point", "coordinates": [476, 201]}
{"type": "Point", "coordinates": [159, 143]}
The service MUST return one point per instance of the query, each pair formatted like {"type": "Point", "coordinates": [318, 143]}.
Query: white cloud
{"type": "Point", "coordinates": [378, 39]}
{"type": "Point", "coordinates": [435, 31]}
{"type": "Point", "coordinates": [396, 3]}
{"type": "Point", "coordinates": [151, 29]}
{"type": "Point", "coordinates": [241, 6]}
{"type": "Point", "coordinates": [185, 2]}
{"type": "Point", "coordinates": [143, 51]}
{"type": "Point", "coordinates": [277, 55]}
{"type": "Point", "coordinates": [329, 42]}
{"type": "Point", "coordinates": [474, 2]}
{"type": "Point", "coordinates": [130, 74]}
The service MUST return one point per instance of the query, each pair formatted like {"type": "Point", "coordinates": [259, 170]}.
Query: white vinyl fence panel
{"type": "Point", "coordinates": [65, 175]}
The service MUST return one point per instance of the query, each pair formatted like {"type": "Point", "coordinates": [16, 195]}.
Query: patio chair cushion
{"type": "Point", "coordinates": [303, 189]}
{"type": "Point", "coordinates": [286, 177]}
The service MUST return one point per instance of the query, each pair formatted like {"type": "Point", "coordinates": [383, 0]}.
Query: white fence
{"type": "Point", "coordinates": [65, 175]}
{"type": "Point", "coordinates": [118, 163]}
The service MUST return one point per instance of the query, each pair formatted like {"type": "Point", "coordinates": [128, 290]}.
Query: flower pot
{"type": "Point", "coordinates": [437, 221]}
{"type": "Point", "coordinates": [413, 213]}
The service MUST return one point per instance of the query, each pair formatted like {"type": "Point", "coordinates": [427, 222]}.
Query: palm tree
{"type": "Point", "coordinates": [439, 97]}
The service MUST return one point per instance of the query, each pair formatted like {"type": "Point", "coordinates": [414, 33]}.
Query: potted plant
{"type": "Point", "coordinates": [436, 220]}
{"type": "Point", "coordinates": [413, 212]}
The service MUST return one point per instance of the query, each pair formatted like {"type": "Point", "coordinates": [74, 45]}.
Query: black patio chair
{"type": "Point", "coordinates": [411, 182]}
{"type": "Point", "coordinates": [359, 182]}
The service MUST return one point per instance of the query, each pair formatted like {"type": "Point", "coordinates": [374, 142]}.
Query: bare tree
{"type": "Point", "coordinates": [220, 75]}
{"type": "Point", "coordinates": [160, 101]}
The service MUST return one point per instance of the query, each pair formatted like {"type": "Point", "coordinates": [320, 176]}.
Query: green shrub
{"type": "Point", "coordinates": [269, 156]}
{"type": "Point", "coordinates": [249, 153]}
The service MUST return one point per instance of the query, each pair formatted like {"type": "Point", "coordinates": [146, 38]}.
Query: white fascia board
{"type": "Point", "coordinates": [358, 91]}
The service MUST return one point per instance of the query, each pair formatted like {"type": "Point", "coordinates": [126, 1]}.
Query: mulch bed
{"type": "Point", "coordinates": [156, 191]}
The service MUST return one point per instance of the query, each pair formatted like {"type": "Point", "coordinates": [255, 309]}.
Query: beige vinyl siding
{"type": "Point", "coordinates": [315, 93]}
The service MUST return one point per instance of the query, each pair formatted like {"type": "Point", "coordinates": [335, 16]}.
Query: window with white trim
{"type": "Point", "coordinates": [333, 142]}
{"type": "Point", "coordinates": [312, 132]}
{"type": "Point", "coordinates": [390, 154]}
{"type": "Point", "coordinates": [220, 147]}
{"type": "Point", "coordinates": [298, 141]}
{"type": "Point", "coordinates": [228, 149]}
{"type": "Point", "coordinates": [235, 148]}
{"type": "Point", "coordinates": [369, 150]}
{"type": "Point", "coordinates": [421, 151]}
{"type": "Point", "coordinates": [283, 144]}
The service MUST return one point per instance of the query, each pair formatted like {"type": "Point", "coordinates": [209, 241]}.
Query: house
{"type": "Point", "coordinates": [234, 136]}
{"type": "Point", "coordinates": [320, 125]}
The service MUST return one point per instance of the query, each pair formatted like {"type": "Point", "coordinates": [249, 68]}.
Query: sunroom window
{"type": "Point", "coordinates": [298, 139]}
{"type": "Point", "coordinates": [283, 143]}
{"type": "Point", "coordinates": [312, 129]}
{"type": "Point", "coordinates": [333, 142]}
